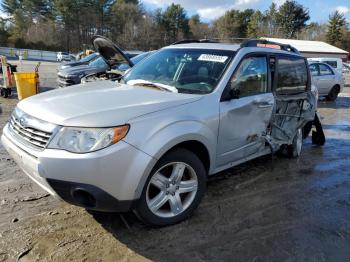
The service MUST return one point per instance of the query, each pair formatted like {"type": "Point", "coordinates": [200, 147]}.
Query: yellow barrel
{"type": "Point", "coordinates": [27, 84]}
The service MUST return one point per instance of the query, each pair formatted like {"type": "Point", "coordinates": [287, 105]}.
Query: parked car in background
{"type": "Point", "coordinates": [73, 75]}
{"type": "Point", "coordinates": [148, 142]}
{"type": "Point", "coordinates": [113, 62]}
{"type": "Point", "coordinates": [84, 61]}
{"type": "Point", "coordinates": [64, 56]}
{"type": "Point", "coordinates": [132, 53]}
{"type": "Point", "coordinates": [346, 68]}
{"type": "Point", "coordinates": [328, 81]}
{"type": "Point", "coordinates": [335, 63]}
{"type": "Point", "coordinates": [117, 72]}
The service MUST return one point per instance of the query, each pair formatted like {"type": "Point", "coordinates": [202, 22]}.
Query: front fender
{"type": "Point", "coordinates": [171, 135]}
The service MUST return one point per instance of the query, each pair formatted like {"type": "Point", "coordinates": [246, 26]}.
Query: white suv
{"type": "Point", "coordinates": [149, 141]}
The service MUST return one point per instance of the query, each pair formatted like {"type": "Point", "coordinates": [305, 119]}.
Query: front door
{"type": "Point", "coordinates": [244, 120]}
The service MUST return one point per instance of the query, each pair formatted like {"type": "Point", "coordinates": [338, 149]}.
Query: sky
{"type": "Point", "coordinates": [211, 9]}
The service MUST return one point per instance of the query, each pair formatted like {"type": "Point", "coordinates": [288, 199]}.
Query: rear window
{"type": "Point", "coordinates": [292, 75]}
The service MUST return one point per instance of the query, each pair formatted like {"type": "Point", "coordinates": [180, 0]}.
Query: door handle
{"type": "Point", "coordinates": [263, 104]}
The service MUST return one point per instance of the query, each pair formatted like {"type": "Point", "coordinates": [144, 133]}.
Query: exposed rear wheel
{"type": "Point", "coordinates": [294, 150]}
{"type": "Point", "coordinates": [173, 190]}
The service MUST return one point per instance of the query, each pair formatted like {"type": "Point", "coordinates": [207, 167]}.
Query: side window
{"type": "Point", "coordinates": [251, 77]}
{"type": "Point", "coordinates": [292, 75]}
{"type": "Point", "coordinates": [333, 64]}
{"type": "Point", "coordinates": [314, 69]}
{"type": "Point", "coordinates": [325, 70]}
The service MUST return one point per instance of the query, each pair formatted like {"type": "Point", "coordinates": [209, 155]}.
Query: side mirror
{"type": "Point", "coordinates": [234, 93]}
{"type": "Point", "coordinates": [231, 92]}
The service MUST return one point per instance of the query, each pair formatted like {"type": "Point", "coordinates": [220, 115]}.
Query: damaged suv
{"type": "Point", "coordinates": [148, 141]}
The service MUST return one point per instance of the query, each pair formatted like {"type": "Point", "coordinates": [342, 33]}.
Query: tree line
{"type": "Point", "coordinates": [69, 24]}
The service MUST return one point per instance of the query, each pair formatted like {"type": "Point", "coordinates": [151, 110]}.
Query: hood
{"type": "Point", "coordinates": [81, 69]}
{"type": "Point", "coordinates": [100, 104]}
{"type": "Point", "coordinates": [71, 64]}
{"type": "Point", "coordinates": [111, 53]}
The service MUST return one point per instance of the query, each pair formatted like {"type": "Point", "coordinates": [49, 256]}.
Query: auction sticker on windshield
{"type": "Point", "coordinates": [212, 58]}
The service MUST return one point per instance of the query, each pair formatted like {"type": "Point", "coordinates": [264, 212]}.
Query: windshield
{"type": "Point", "coordinates": [194, 71]}
{"type": "Point", "coordinates": [89, 58]}
{"type": "Point", "coordinates": [135, 60]}
{"type": "Point", "coordinates": [99, 62]}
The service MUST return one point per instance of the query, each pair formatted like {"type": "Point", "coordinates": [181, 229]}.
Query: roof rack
{"type": "Point", "coordinates": [188, 41]}
{"type": "Point", "coordinates": [211, 40]}
{"type": "Point", "coordinates": [245, 42]}
{"type": "Point", "coordinates": [270, 44]}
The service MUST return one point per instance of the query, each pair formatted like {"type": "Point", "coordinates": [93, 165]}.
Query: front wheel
{"type": "Point", "coordinates": [294, 150]}
{"type": "Point", "coordinates": [173, 190]}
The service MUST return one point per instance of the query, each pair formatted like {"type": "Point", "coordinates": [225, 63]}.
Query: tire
{"type": "Point", "coordinates": [333, 94]}
{"type": "Point", "coordinates": [294, 150]}
{"type": "Point", "coordinates": [162, 203]}
{"type": "Point", "coordinates": [6, 92]}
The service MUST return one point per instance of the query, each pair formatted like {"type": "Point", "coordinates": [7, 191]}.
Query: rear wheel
{"type": "Point", "coordinates": [173, 190]}
{"type": "Point", "coordinates": [333, 94]}
{"type": "Point", "coordinates": [294, 150]}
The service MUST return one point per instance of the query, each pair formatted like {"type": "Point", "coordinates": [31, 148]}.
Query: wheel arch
{"type": "Point", "coordinates": [196, 147]}
{"type": "Point", "coordinates": [202, 152]}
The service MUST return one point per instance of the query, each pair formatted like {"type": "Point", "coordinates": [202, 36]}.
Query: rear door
{"type": "Point", "coordinates": [295, 104]}
{"type": "Point", "coordinates": [244, 119]}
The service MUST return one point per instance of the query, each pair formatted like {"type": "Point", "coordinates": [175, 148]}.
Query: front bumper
{"type": "Point", "coordinates": [109, 178]}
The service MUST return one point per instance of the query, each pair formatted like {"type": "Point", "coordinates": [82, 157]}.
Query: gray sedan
{"type": "Point", "coordinates": [328, 81]}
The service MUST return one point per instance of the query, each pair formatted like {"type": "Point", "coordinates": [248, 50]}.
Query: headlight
{"type": "Point", "coordinates": [84, 140]}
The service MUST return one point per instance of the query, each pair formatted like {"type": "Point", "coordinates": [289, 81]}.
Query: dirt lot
{"type": "Point", "coordinates": [270, 209]}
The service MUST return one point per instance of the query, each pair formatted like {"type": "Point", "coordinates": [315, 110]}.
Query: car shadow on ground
{"type": "Point", "coordinates": [243, 211]}
{"type": "Point", "coordinates": [153, 243]}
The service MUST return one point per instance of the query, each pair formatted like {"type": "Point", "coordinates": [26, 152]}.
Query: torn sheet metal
{"type": "Point", "coordinates": [291, 113]}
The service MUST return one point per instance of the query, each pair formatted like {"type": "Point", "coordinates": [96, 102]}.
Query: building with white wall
{"type": "Point", "coordinates": [313, 48]}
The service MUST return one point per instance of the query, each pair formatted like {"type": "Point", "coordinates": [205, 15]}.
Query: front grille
{"type": "Point", "coordinates": [29, 135]}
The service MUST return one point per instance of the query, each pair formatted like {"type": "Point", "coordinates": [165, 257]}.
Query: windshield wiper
{"type": "Point", "coordinates": [141, 82]}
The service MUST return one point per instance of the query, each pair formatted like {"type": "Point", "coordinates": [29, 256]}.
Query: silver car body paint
{"type": "Point", "coordinates": [232, 131]}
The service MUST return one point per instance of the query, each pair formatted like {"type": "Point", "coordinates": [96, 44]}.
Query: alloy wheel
{"type": "Point", "coordinates": [172, 189]}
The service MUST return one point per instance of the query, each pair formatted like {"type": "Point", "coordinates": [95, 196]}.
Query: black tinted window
{"type": "Point", "coordinates": [292, 75]}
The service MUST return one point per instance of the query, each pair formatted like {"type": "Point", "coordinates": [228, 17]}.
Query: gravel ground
{"type": "Point", "coordinates": [269, 209]}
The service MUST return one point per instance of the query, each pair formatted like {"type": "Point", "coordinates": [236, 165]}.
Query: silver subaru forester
{"type": "Point", "coordinates": [148, 141]}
